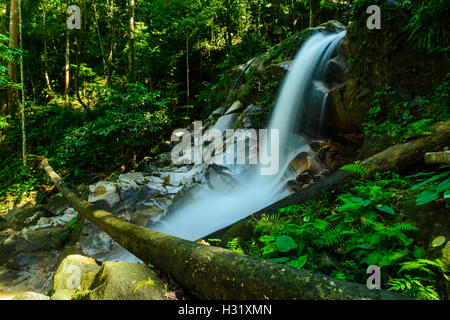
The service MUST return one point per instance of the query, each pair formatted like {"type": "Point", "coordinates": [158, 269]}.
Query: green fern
{"type": "Point", "coordinates": [235, 246]}
{"type": "Point", "coordinates": [355, 168]}
{"type": "Point", "coordinates": [414, 287]}
{"type": "Point", "coordinates": [271, 224]}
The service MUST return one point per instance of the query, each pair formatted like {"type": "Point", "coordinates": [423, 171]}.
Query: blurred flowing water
{"type": "Point", "coordinates": [212, 210]}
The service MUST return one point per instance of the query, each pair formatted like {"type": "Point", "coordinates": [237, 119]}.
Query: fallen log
{"type": "Point", "coordinates": [437, 157]}
{"type": "Point", "coordinates": [216, 273]}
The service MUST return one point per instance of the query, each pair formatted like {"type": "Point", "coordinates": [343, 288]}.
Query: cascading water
{"type": "Point", "coordinates": [214, 210]}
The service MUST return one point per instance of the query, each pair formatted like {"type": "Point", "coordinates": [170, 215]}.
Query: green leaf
{"type": "Point", "coordinates": [427, 197]}
{"type": "Point", "coordinates": [279, 260]}
{"type": "Point", "coordinates": [386, 209]}
{"type": "Point", "coordinates": [439, 241]}
{"type": "Point", "coordinates": [299, 263]}
{"type": "Point", "coordinates": [266, 238]}
{"type": "Point", "coordinates": [443, 186]}
{"type": "Point", "coordinates": [285, 243]}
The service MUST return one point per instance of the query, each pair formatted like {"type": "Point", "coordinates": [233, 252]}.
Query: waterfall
{"type": "Point", "coordinates": [303, 91]}
{"type": "Point", "coordinates": [212, 211]}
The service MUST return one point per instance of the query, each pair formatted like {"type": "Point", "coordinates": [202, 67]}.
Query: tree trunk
{"type": "Point", "coordinates": [22, 109]}
{"type": "Point", "coordinates": [131, 44]}
{"type": "Point", "coordinates": [3, 28]}
{"type": "Point", "coordinates": [187, 73]}
{"type": "Point", "coordinates": [396, 158]}
{"type": "Point", "coordinates": [44, 25]}
{"type": "Point", "coordinates": [13, 95]}
{"type": "Point", "coordinates": [67, 68]}
{"type": "Point", "coordinates": [111, 44]}
{"type": "Point", "coordinates": [81, 39]}
{"type": "Point", "coordinates": [100, 42]}
{"type": "Point", "coordinates": [314, 6]}
{"type": "Point", "coordinates": [216, 273]}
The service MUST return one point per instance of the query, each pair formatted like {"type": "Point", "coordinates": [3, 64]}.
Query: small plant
{"type": "Point", "coordinates": [144, 283]}
{"type": "Point", "coordinates": [355, 168]}
{"type": "Point", "coordinates": [432, 190]}
{"type": "Point", "coordinates": [235, 246]}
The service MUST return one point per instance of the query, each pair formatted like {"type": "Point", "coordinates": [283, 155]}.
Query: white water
{"type": "Point", "coordinates": [214, 210]}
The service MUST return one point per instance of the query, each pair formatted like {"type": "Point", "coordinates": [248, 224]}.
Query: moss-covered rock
{"type": "Point", "coordinates": [63, 294]}
{"type": "Point", "coordinates": [71, 271]}
{"type": "Point", "coordinates": [121, 281]}
{"type": "Point", "coordinates": [22, 216]}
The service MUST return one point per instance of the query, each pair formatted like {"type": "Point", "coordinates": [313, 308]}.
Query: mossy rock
{"type": "Point", "coordinates": [63, 294]}
{"type": "Point", "coordinates": [71, 270]}
{"type": "Point", "coordinates": [19, 217]}
{"type": "Point", "coordinates": [121, 281]}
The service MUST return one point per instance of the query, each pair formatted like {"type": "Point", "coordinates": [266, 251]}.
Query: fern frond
{"type": "Point", "coordinates": [270, 224]}
{"type": "Point", "coordinates": [355, 168]}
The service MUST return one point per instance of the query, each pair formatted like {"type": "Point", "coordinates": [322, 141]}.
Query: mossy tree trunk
{"type": "Point", "coordinates": [212, 272]}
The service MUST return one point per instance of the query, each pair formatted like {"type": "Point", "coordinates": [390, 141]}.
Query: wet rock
{"type": "Point", "coordinates": [235, 107]}
{"type": "Point", "coordinates": [137, 177]}
{"type": "Point", "coordinates": [226, 122]}
{"type": "Point", "coordinates": [30, 271]}
{"type": "Point", "coordinates": [333, 26]}
{"type": "Point", "coordinates": [305, 162]}
{"type": "Point", "coordinates": [104, 195]}
{"type": "Point", "coordinates": [149, 209]}
{"type": "Point", "coordinates": [218, 112]}
{"type": "Point", "coordinates": [94, 242]}
{"type": "Point", "coordinates": [31, 296]}
{"type": "Point", "coordinates": [120, 281]}
{"type": "Point", "coordinates": [248, 118]}
{"type": "Point", "coordinates": [63, 220]}
{"type": "Point", "coordinates": [173, 190]}
{"type": "Point", "coordinates": [129, 192]}
{"type": "Point", "coordinates": [154, 180]}
{"type": "Point", "coordinates": [39, 237]}
{"type": "Point", "coordinates": [163, 160]}
{"type": "Point", "coordinates": [220, 179]}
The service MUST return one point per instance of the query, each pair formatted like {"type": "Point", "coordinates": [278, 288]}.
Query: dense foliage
{"type": "Point", "coordinates": [367, 224]}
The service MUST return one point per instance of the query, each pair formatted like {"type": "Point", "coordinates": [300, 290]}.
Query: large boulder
{"type": "Point", "coordinates": [121, 281]}
{"type": "Point", "coordinates": [46, 234]}
{"type": "Point", "coordinates": [71, 270]}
